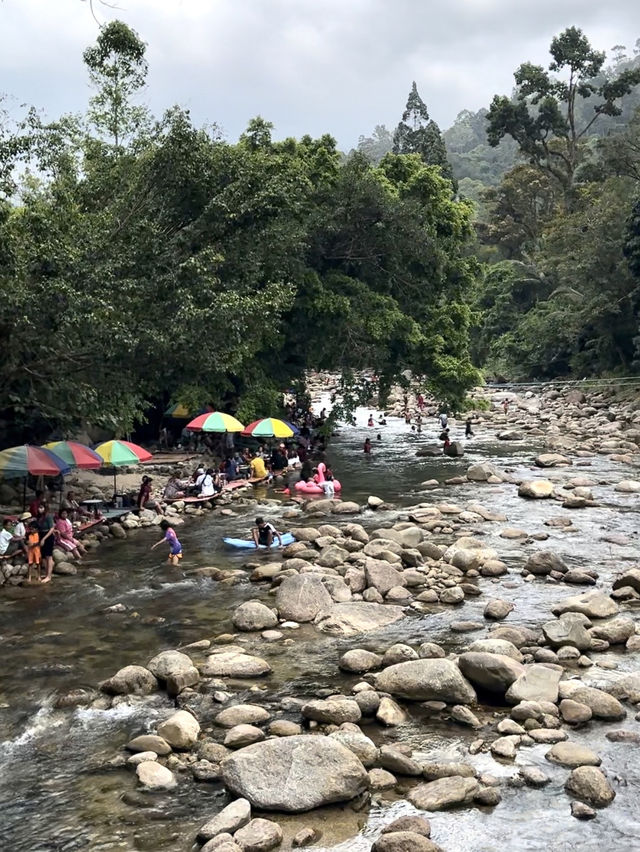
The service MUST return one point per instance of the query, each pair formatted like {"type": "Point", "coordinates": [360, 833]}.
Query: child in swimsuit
{"type": "Point", "coordinates": [175, 548]}
{"type": "Point", "coordinates": [33, 551]}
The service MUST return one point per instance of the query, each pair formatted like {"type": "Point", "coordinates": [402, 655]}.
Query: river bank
{"type": "Point", "coordinates": [306, 662]}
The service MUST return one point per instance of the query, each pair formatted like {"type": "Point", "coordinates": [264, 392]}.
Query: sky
{"type": "Point", "coordinates": [308, 66]}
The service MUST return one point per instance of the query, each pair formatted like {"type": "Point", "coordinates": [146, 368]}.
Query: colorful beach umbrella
{"type": "Point", "coordinates": [269, 427]}
{"type": "Point", "coordinates": [20, 461]}
{"type": "Point", "coordinates": [119, 453]}
{"type": "Point", "coordinates": [75, 454]}
{"type": "Point", "coordinates": [215, 421]}
{"type": "Point", "coordinates": [178, 412]}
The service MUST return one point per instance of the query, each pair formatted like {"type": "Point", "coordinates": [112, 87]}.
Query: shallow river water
{"type": "Point", "coordinates": [55, 793]}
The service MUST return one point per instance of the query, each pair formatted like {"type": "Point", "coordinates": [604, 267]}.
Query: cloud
{"type": "Point", "coordinates": [309, 66]}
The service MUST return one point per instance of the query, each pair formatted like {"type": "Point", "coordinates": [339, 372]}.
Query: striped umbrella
{"type": "Point", "coordinates": [75, 454]}
{"type": "Point", "coordinates": [119, 453]}
{"type": "Point", "coordinates": [215, 421]}
{"type": "Point", "coordinates": [39, 461]}
{"type": "Point", "coordinates": [269, 427]}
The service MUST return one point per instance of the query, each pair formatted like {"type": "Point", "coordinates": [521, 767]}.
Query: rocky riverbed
{"type": "Point", "coordinates": [452, 664]}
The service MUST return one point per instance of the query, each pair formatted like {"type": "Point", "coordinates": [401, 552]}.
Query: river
{"type": "Point", "coordinates": [57, 794]}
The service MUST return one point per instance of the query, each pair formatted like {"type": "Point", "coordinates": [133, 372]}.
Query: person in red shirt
{"type": "Point", "coordinates": [35, 503]}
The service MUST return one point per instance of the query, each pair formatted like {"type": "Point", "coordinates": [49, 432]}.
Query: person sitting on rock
{"type": "Point", "coordinates": [445, 437]}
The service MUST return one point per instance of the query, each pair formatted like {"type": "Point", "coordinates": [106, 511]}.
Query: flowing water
{"type": "Point", "coordinates": [56, 792]}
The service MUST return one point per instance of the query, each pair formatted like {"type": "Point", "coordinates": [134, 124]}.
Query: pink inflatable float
{"type": "Point", "coordinates": [314, 486]}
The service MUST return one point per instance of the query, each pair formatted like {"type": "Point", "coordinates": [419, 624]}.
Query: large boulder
{"type": "Point", "coordinates": [332, 711]}
{"type": "Point", "coordinates": [591, 604]}
{"type": "Point", "coordinates": [364, 749]}
{"type": "Point", "coordinates": [295, 774]}
{"type": "Point", "coordinates": [552, 460]}
{"type": "Point", "coordinates": [234, 664]}
{"type": "Point", "coordinates": [455, 449]}
{"type": "Point", "coordinates": [480, 472]}
{"type": "Point", "coordinates": [254, 615]}
{"type": "Point", "coordinates": [180, 730]}
{"type": "Point", "coordinates": [494, 646]}
{"type": "Point", "coordinates": [630, 578]}
{"type": "Point", "coordinates": [444, 792]}
{"type": "Point", "coordinates": [168, 664]}
{"type": "Point", "coordinates": [242, 714]}
{"type": "Point", "coordinates": [493, 672]}
{"type": "Point", "coordinates": [589, 784]}
{"type": "Point", "coordinates": [349, 619]}
{"type": "Point", "coordinates": [153, 776]}
{"type": "Point", "coordinates": [602, 705]}
{"type": "Point", "coordinates": [382, 576]}
{"type": "Point", "coordinates": [544, 562]}
{"type": "Point", "coordinates": [130, 680]}
{"type": "Point", "coordinates": [564, 631]}
{"type": "Point", "coordinates": [536, 489]}
{"type": "Point", "coordinates": [427, 680]}
{"type": "Point", "coordinates": [358, 661]}
{"type": "Point", "coordinates": [615, 631]}
{"type": "Point", "coordinates": [572, 755]}
{"type": "Point", "coordinates": [302, 597]}
{"type": "Point", "coordinates": [538, 683]}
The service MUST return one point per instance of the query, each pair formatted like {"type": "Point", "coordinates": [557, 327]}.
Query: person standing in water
{"type": "Point", "coordinates": [175, 548]}
{"type": "Point", "coordinates": [367, 447]}
{"type": "Point", "coordinates": [444, 420]}
{"type": "Point", "coordinates": [468, 431]}
{"type": "Point", "coordinates": [370, 420]}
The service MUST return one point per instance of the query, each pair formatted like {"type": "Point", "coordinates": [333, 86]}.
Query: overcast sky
{"type": "Point", "coordinates": [309, 66]}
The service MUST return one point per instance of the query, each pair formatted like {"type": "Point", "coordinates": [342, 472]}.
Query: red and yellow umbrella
{"type": "Point", "coordinates": [119, 453]}
{"type": "Point", "coordinates": [215, 421]}
{"type": "Point", "coordinates": [75, 454]}
{"type": "Point", "coordinates": [269, 427]}
{"type": "Point", "coordinates": [39, 461]}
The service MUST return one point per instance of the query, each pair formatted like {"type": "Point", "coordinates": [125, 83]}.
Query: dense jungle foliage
{"type": "Point", "coordinates": [145, 260]}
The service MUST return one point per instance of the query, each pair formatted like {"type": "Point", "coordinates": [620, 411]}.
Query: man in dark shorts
{"type": "Point", "coordinates": [264, 533]}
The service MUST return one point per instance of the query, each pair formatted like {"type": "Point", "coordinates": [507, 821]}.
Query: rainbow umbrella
{"type": "Point", "coordinates": [269, 427]}
{"type": "Point", "coordinates": [40, 461]}
{"type": "Point", "coordinates": [215, 421]}
{"type": "Point", "coordinates": [75, 454]}
{"type": "Point", "coordinates": [119, 453]}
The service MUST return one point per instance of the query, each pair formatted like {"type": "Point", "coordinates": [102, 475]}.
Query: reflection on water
{"type": "Point", "coordinates": [54, 791]}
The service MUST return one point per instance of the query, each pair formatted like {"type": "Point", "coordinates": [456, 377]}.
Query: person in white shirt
{"type": "Point", "coordinates": [206, 484]}
{"type": "Point", "coordinates": [8, 543]}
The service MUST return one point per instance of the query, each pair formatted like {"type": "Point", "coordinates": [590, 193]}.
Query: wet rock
{"type": "Point", "coordinates": [398, 653]}
{"type": "Point", "coordinates": [302, 597]}
{"type": "Point", "coordinates": [295, 774]}
{"type": "Point", "coordinates": [430, 650]}
{"type": "Point", "coordinates": [602, 705]}
{"type": "Point", "coordinates": [591, 604]}
{"type": "Point", "coordinates": [180, 730]}
{"type": "Point", "coordinates": [623, 737]}
{"type": "Point", "coordinates": [358, 660]}
{"type": "Point", "coordinates": [204, 770]}
{"type": "Point", "coordinates": [149, 742]}
{"type": "Point", "coordinates": [545, 735]}
{"type": "Point", "coordinates": [229, 820]}
{"type": "Point", "coordinates": [415, 824]}
{"type": "Point", "coordinates": [543, 562]}
{"type": "Point", "coordinates": [590, 785]}
{"type": "Point", "coordinates": [488, 797]}
{"type": "Point", "coordinates": [574, 712]}
{"type": "Point", "coordinates": [234, 664]}
{"type": "Point", "coordinates": [433, 771]}
{"type": "Point", "coordinates": [389, 713]}
{"type": "Point", "coordinates": [443, 793]}
{"type": "Point", "coordinates": [464, 716]}
{"type": "Point", "coordinates": [427, 680]}
{"type": "Point", "coordinates": [581, 811]}
{"type": "Point", "coordinates": [382, 576]}
{"type": "Point", "coordinates": [453, 595]}
{"type": "Point", "coordinates": [335, 710]}
{"type": "Point", "coordinates": [505, 747]}
{"type": "Point", "coordinates": [627, 486]}
{"type": "Point", "coordinates": [615, 631]}
{"type": "Point", "coordinates": [130, 680]}
{"type": "Point", "coordinates": [466, 626]}
{"type": "Point", "coordinates": [242, 714]}
{"type": "Point", "coordinates": [140, 757]}
{"type": "Point", "coordinates": [630, 578]}
{"type": "Point", "coordinates": [345, 507]}
{"type": "Point", "coordinates": [222, 843]}
{"type": "Point", "coordinates": [493, 568]}
{"type": "Point", "coordinates": [508, 726]}
{"type": "Point", "coordinates": [538, 683]}
{"type": "Point", "coordinates": [380, 779]}
{"type": "Point", "coordinates": [563, 632]}
{"type": "Point", "coordinates": [253, 615]}
{"type": "Point", "coordinates": [404, 841]}
{"type": "Point", "coordinates": [259, 835]}
{"type": "Point", "coordinates": [551, 460]}
{"type": "Point", "coordinates": [284, 728]}
{"type": "Point", "coordinates": [364, 749]}
{"type": "Point", "coordinates": [493, 672]}
{"type": "Point", "coordinates": [533, 777]}
{"type": "Point", "coordinates": [304, 837]}
{"type": "Point", "coordinates": [243, 735]}
{"type": "Point", "coordinates": [538, 489]}
{"type": "Point", "coordinates": [572, 755]}
{"type": "Point", "coordinates": [498, 609]}
{"type": "Point", "coordinates": [395, 759]}
{"type": "Point", "coordinates": [153, 776]}
{"type": "Point", "coordinates": [349, 619]}
{"type": "Point", "coordinates": [497, 646]}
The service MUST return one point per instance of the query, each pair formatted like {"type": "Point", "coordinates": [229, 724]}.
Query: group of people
{"type": "Point", "coordinates": [35, 534]}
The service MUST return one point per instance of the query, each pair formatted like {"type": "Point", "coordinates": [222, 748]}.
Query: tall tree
{"type": "Point", "coordinates": [376, 146]}
{"type": "Point", "coordinates": [418, 134]}
{"type": "Point", "coordinates": [118, 70]}
{"type": "Point", "coordinates": [543, 116]}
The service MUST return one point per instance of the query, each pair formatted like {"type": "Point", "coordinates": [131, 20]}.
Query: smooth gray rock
{"type": "Point", "coordinates": [493, 672]}
{"type": "Point", "coordinates": [427, 680]}
{"type": "Point", "coordinates": [302, 597]}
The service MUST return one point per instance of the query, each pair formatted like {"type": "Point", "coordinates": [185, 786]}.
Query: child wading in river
{"type": "Point", "coordinates": [175, 548]}
{"type": "Point", "coordinates": [33, 551]}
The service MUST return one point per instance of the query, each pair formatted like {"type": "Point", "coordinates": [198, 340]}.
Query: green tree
{"type": "Point", "coordinates": [375, 147]}
{"type": "Point", "coordinates": [418, 134]}
{"type": "Point", "coordinates": [118, 70]}
{"type": "Point", "coordinates": [542, 118]}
